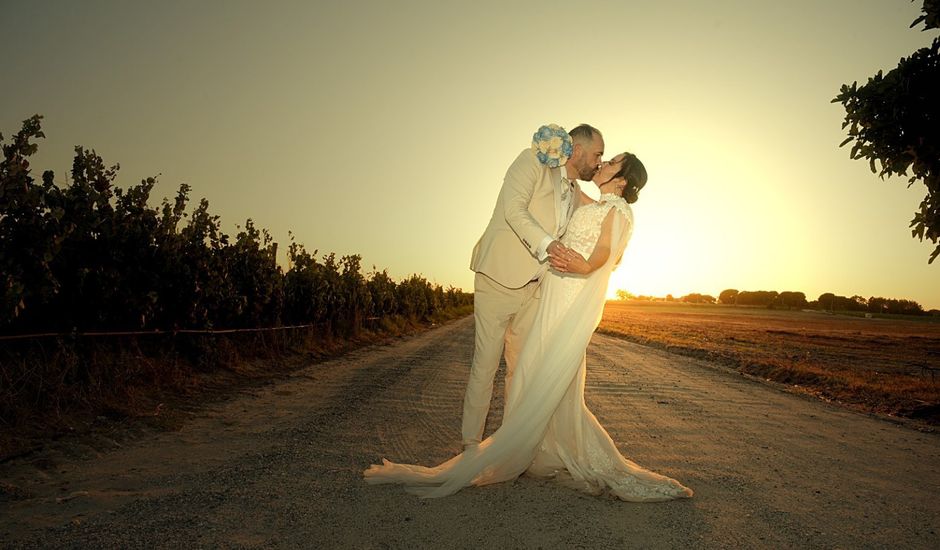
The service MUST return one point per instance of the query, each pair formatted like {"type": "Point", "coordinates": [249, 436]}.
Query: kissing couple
{"type": "Point", "coordinates": [542, 268]}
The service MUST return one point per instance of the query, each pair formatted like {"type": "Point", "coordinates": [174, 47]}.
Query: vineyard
{"type": "Point", "coordinates": [88, 257]}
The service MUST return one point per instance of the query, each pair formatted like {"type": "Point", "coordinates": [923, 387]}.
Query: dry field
{"type": "Point", "coordinates": [881, 365]}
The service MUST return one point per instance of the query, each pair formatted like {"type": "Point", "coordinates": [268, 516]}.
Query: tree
{"type": "Point", "coordinates": [834, 302]}
{"type": "Point", "coordinates": [790, 300]}
{"type": "Point", "coordinates": [90, 256]}
{"type": "Point", "coordinates": [894, 119]}
{"type": "Point", "coordinates": [31, 227]}
{"type": "Point", "coordinates": [890, 305]}
{"type": "Point", "coordinates": [623, 295]}
{"type": "Point", "coordinates": [756, 298]}
{"type": "Point", "coordinates": [728, 296]}
{"type": "Point", "coordinates": [697, 298]}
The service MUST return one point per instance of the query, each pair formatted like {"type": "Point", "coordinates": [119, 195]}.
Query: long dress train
{"type": "Point", "coordinates": [547, 428]}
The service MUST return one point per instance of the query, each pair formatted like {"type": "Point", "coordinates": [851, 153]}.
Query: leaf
{"type": "Point", "coordinates": [846, 140]}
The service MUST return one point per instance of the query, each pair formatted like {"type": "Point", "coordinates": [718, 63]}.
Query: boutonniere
{"type": "Point", "coordinates": [552, 145]}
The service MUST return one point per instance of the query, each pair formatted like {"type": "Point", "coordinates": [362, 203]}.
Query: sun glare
{"type": "Point", "coordinates": [652, 266]}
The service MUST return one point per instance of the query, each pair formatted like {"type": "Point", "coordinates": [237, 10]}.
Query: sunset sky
{"type": "Point", "coordinates": [385, 128]}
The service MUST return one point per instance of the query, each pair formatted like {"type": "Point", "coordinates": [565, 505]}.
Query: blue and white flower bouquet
{"type": "Point", "coordinates": [552, 145]}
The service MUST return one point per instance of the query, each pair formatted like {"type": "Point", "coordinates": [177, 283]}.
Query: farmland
{"type": "Point", "coordinates": [884, 365]}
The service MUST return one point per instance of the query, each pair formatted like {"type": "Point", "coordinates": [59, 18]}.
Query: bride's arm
{"type": "Point", "coordinates": [601, 250]}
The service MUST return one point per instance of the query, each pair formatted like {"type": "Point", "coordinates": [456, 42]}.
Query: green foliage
{"type": "Point", "coordinates": [842, 303]}
{"type": "Point", "coordinates": [31, 228]}
{"type": "Point", "coordinates": [756, 298]}
{"type": "Point", "coordinates": [833, 302]}
{"type": "Point", "coordinates": [931, 15]}
{"type": "Point", "coordinates": [791, 300]}
{"type": "Point", "coordinates": [696, 298]}
{"type": "Point", "coordinates": [623, 295]}
{"type": "Point", "coordinates": [894, 120]}
{"type": "Point", "coordinates": [91, 256]}
{"type": "Point", "coordinates": [890, 305]}
{"type": "Point", "coordinates": [728, 296]}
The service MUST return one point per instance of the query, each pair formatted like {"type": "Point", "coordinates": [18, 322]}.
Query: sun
{"type": "Point", "coordinates": [653, 266]}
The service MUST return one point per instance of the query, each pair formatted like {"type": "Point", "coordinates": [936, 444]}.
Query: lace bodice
{"type": "Point", "coordinates": [585, 225]}
{"type": "Point", "coordinates": [581, 236]}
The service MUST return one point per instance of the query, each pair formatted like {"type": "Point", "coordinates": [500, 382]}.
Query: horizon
{"type": "Point", "coordinates": [678, 299]}
{"type": "Point", "coordinates": [385, 131]}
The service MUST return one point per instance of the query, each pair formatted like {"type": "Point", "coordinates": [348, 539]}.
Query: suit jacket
{"type": "Point", "coordinates": [528, 208]}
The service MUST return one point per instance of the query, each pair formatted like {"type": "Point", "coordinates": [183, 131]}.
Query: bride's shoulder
{"type": "Point", "coordinates": [611, 200]}
{"type": "Point", "coordinates": [614, 203]}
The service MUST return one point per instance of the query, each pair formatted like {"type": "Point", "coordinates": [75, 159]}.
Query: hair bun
{"type": "Point", "coordinates": [631, 194]}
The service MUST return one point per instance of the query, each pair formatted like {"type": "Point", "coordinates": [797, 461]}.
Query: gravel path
{"type": "Point", "coordinates": [280, 466]}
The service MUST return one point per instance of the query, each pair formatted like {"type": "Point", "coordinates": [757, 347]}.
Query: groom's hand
{"type": "Point", "coordinates": [555, 248]}
{"type": "Point", "coordinates": [560, 256]}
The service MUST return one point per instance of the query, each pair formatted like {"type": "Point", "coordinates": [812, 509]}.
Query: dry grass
{"type": "Point", "coordinates": [882, 365]}
{"type": "Point", "coordinates": [50, 387]}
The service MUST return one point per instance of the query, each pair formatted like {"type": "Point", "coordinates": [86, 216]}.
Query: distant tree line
{"type": "Point", "coordinates": [696, 298]}
{"type": "Point", "coordinates": [793, 300]}
{"type": "Point", "coordinates": [827, 301]}
{"type": "Point", "coordinates": [89, 255]}
{"type": "Point", "coordinates": [769, 298]}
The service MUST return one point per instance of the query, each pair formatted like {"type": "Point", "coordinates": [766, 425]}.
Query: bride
{"type": "Point", "coordinates": [547, 429]}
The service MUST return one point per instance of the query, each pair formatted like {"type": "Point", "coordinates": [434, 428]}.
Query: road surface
{"type": "Point", "coordinates": [280, 466]}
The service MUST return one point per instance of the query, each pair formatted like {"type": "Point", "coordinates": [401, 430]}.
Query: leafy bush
{"type": "Point", "coordinates": [894, 120]}
{"type": "Point", "coordinates": [90, 256]}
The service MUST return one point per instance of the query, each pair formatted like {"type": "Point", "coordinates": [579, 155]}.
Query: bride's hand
{"type": "Point", "coordinates": [570, 263]}
{"type": "Point", "coordinates": [579, 265]}
{"type": "Point", "coordinates": [559, 254]}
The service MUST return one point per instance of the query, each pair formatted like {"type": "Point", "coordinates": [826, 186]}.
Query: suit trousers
{"type": "Point", "coordinates": [502, 319]}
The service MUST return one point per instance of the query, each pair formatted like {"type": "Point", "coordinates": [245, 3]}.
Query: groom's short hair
{"type": "Point", "coordinates": [584, 133]}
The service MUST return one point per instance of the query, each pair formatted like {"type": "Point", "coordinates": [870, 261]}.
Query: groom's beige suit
{"type": "Point", "coordinates": [533, 209]}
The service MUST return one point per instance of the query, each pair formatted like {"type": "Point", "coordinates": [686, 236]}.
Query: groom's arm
{"type": "Point", "coordinates": [517, 191]}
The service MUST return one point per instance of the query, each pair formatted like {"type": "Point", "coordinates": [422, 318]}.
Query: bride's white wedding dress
{"type": "Point", "coordinates": [547, 429]}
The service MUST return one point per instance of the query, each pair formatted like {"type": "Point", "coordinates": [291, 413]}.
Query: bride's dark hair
{"type": "Point", "coordinates": [633, 171]}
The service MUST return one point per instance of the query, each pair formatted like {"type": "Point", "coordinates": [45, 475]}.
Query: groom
{"type": "Point", "coordinates": [532, 212]}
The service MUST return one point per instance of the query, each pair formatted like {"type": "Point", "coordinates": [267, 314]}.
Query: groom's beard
{"type": "Point", "coordinates": [587, 174]}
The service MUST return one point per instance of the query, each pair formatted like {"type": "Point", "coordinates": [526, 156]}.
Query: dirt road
{"type": "Point", "coordinates": [280, 466]}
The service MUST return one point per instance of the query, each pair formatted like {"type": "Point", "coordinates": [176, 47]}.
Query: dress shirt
{"type": "Point", "coordinates": [565, 207]}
